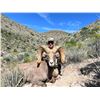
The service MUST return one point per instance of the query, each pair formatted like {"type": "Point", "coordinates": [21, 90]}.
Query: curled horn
{"type": "Point", "coordinates": [44, 48]}
{"type": "Point", "coordinates": [61, 52]}
{"type": "Point", "coordinates": [41, 49]}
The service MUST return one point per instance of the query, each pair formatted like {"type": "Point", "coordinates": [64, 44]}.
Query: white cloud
{"type": "Point", "coordinates": [70, 24]}
{"type": "Point", "coordinates": [46, 17]}
{"type": "Point", "coordinates": [73, 23]}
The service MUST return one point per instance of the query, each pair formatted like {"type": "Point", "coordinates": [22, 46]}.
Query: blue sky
{"type": "Point", "coordinates": [42, 22]}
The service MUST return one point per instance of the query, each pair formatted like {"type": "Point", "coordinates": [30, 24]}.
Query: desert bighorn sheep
{"type": "Point", "coordinates": [52, 60]}
{"type": "Point", "coordinates": [38, 72]}
{"type": "Point", "coordinates": [33, 74]}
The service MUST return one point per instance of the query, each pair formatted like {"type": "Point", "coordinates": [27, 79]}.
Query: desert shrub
{"type": "Point", "coordinates": [15, 51]}
{"type": "Point", "coordinates": [29, 56]}
{"type": "Point", "coordinates": [75, 54]}
{"type": "Point", "coordinates": [71, 43]}
{"type": "Point", "coordinates": [22, 57]}
{"type": "Point", "coordinates": [11, 77]}
{"type": "Point", "coordinates": [27, 59]}
{"type": "Point", "coordinates": [85, 32]}
{"type": "Point", "coordinates": [9, 58]}
{"type": "Point", "coordinates": [76, 51]}
{"type": "Point", "coordinates": [93, 45]}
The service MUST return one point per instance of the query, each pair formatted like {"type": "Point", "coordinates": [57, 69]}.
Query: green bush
{"type": "Point", "coordinates": [71, 43]}
{"type": "Point", "coordinates": [27, 59]}
{"type": "Point", "coordinates": [29, 56]}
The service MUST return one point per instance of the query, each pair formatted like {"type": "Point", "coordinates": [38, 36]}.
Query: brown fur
{"type": "Point", "coordinates": [44, 48]}
{"type": "Point", "coordinates": [37, 72]}
{"type": "Point", "coordinates": [32, 73]}
{"type": "Point", "coordinates": [50, 52]}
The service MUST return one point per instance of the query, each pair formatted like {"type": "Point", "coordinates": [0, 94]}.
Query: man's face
{"type": "Point", "coordinates": [50, 44]}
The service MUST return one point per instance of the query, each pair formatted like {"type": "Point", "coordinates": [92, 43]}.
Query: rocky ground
{"type": "Point", "coordinates": [72, 76]}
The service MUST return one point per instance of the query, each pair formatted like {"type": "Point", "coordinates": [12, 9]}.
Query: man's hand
{"type": "Point", "coordinates": [38, 63]}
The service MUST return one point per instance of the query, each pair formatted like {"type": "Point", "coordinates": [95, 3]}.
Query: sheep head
{"type": "Point", "coordinates": [51, 54]}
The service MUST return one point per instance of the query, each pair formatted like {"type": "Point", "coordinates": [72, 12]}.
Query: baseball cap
{"type": "Point", "coordinates": [50, 39]}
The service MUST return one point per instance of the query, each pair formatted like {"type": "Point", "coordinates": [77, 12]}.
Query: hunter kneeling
{"type": "Point", "coordinates": [54, 56]}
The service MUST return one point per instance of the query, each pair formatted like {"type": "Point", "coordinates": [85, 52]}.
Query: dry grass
{"type": "Point", "coordinates": [11, 77]}
{"type": "Point", "coordinates": [75, 55]}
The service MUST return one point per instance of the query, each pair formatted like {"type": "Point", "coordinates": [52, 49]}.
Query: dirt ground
{"type": "Point", "coordinates": [71, 76]}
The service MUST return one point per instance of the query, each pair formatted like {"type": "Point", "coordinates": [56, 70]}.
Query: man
{"type": "Point", "coordinates": [50, 43]}
{"type": "Point", "coordinates": [51, 46]}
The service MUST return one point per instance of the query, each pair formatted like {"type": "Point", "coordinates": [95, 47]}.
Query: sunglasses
{"type": "Point", "coordinates": [52, 42]}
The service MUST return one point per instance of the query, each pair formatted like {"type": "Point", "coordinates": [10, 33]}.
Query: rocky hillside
{"type": "Point", "coordinates": [88, 31]}
{"type": "Point", "coordinates": [21, 42]}
{"type": "Point", "coordinates": [95, 25]}
{"type": "Point", "coordinates": [16, 37]}
{"type": "Point", "coordinates": [59, 36]}
{"type": "Point", "coordinates": [18, 42]}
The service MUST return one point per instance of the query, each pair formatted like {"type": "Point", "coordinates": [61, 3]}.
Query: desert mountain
{"type": "Point", "coordinates": [20, 38]}
{"type": "Point", "coordinates": [20, 41]}
{"type": "Point", "coordinates": [17, 37]}
{"type": "Point", "coordinates": [88, 31]}
{"type": "Point", "coordinates": [59, 36]}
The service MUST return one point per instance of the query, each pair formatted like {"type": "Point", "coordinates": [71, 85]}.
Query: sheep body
{"type": "Point", "coordinates": [39, 74]}
{"type": "Point", "coordinates": [32, 73]}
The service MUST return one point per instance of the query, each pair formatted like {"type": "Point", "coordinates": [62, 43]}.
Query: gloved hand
{"type": "Point", "coordinates": [38, 61]}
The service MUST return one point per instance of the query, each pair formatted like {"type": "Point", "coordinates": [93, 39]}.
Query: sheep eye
{"type": "Point", "coordinates": [56, 55]}
{"type": "Point", "coordinates": [47, 57]}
